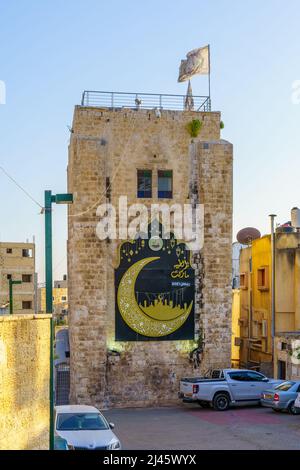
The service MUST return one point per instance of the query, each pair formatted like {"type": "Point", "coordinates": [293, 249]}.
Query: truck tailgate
{"type": "Point", "coordinates": [186, 388]}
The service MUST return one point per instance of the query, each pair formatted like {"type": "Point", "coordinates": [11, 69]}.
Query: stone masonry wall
{"type": "Point", "coordinates": [24, 382]}
{"type": "Point", "coordinates": [106, 149]}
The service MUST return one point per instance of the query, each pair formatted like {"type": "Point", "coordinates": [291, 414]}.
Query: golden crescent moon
{"type": "Point", "coordinates": [131, 313]}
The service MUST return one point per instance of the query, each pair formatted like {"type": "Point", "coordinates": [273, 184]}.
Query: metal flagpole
{"type": "Point", "coordinates": [209, 76]}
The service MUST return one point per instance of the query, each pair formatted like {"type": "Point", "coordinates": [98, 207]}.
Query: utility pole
{"type": "Point", "coordinates": [273, 287]}
{"type": "Point", "coordinates": [49, 199]}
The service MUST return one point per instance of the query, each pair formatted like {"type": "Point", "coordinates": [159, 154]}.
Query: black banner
{"type": "Point", "coordinates": [154, 287]}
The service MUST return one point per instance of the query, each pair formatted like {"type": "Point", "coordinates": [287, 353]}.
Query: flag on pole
{"type": "Point", "coordinates": [196, 63]}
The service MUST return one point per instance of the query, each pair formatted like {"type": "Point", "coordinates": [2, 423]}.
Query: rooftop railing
{"type": "Point", "coordinates": [113, 100]}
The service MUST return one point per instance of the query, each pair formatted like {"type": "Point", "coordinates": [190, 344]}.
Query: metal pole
{"type": "Point", "coordinates": [11, 300]}
{"type": "Point", "coordinates": [273, 287]}
{"type": "Point", "coordinates": [11, 308]}
{"type": "Point", "coordinates": [49, 304]}
{"type": "Point", "coordinates": [209, 76]}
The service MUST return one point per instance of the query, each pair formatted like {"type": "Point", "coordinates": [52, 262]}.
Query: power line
{"type": "Point", "coordinates": [21, 188]}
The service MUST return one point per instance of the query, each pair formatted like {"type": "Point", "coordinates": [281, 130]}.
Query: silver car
{"type": "Point", "coordinates": [85, 428]}
{"type": "Point", "coordinates": [282, 397]}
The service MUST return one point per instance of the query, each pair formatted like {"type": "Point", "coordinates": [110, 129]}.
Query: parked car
{"type": "Point", "coordinates": [224, 387]}
{"type": "Point", "coordinates": [61, 444]}
{"type": "Point", "coordinates": [282, 397]}
{"type": "Point", "coordinates": [297, 402]}
{"type": "Point", "coordinates": [85, 428]}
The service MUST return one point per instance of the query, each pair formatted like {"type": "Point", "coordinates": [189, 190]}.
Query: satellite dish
{"type": "Point", "coordinates": [247, 235]}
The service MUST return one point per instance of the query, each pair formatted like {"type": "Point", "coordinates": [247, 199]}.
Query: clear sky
{"type": "Point", "coordinates": [51, 51]}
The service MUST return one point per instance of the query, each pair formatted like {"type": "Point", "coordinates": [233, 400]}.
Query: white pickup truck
{"type": "Point", "coordinates": [223, 387]}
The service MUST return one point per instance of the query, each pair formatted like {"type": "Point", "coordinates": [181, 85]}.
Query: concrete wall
{"type": "Point", "coordinates": [24, 382]}
{"type": "Point", "coordinates": [114, 144]}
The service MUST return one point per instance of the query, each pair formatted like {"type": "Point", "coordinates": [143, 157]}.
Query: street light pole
{"type": "Point", "coordinates": [11, 302]}
{"type": "Point", "coordinates": [273, 287]}
{"type": "Point", "coordinates": [49, 199]}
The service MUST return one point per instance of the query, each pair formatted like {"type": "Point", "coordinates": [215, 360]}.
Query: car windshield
{"type": "Point", "coordinates": [285, 386]}
{"type": "Point", "coordinates": [81, 422]}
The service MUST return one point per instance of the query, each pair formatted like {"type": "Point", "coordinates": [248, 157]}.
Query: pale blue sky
{"type": "Point", "coordinates": [51, 51]}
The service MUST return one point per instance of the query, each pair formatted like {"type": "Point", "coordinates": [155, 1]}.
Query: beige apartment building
{"type": "Point", "coordinates": [60, 298]}
{"type": "Point", "coordinates": [17, 262]}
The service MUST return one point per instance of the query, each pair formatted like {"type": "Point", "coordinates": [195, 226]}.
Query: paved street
{"type": "Point", "coordinates": [190, 427]}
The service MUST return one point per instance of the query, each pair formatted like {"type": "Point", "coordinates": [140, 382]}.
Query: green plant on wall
{"type": "Point", "coordinates": [222, 125]}
{"type": "Point", "coordinates": [194, 127]}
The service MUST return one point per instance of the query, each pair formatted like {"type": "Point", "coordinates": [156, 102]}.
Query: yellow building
{"type": "Point", "coordinates": [255, 318]}
{"type": "Point", "coordinates": [17, 262]}
{"type": "Point", "coordinates": [235, 335]}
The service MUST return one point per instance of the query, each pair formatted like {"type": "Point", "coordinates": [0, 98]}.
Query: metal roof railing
{"type": "Point", "coordinates": [113, 100]}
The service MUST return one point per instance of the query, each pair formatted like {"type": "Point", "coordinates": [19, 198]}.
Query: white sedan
{"type": "Point", "coordinates": [85, 428]}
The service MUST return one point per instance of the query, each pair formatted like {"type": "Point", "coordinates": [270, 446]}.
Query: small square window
{"type": "Point", "coordinates": [9, 250]}
{"type": "Point", "coordinates": [26, 278]}
{"type": "Point", "coordinates": [27, 253]}
{"type": "Point", "coordinates": [144, 183]}
{"type": "Point", "coordinates": [165, 184]}
{"type": "Point", "coordinates": [263, 278]}
{"type": "Point", "coordinates": [8, 276]}
{"type": "Point", "coordinates": [26, 305]}
{"type": "Point", "coordinates": [64, 298]}
{"type": "Point", "coordinates": [243, 281]}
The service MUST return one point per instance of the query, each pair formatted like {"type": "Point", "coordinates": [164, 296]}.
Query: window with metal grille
{"type": "Point", "coordinates": [165, 184]}
{"type": "Point", "coordinates": [144, 183]}
{"type": "Point", "coordinates": [26, 278]}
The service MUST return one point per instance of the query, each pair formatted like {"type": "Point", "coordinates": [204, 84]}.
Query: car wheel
{"type": "Point", "coordinates": [204, 404]}
{"type": "Point", "coordinates": [221, 402]}
{"type": "Point", "coordinates": [292, 410]}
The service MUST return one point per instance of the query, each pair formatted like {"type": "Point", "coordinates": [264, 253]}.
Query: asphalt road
{"type": "Point", "coordinates": [191, 427]}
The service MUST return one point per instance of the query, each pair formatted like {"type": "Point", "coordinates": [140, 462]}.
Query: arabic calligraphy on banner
{"type": "Point", "coordinates": [180, 270]}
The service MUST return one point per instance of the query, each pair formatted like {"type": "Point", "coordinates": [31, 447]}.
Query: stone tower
{"type": "Point", "coordinates": [109, 148]}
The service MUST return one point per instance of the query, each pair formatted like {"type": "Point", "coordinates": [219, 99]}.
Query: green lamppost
{"type": "Point", "coordinates": [49, 199]}
{"type": "Point", "coordinates": [11, 302]}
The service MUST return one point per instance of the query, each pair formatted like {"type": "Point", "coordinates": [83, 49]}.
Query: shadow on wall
{"type": "Point", "coordinates": [24, 382]}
